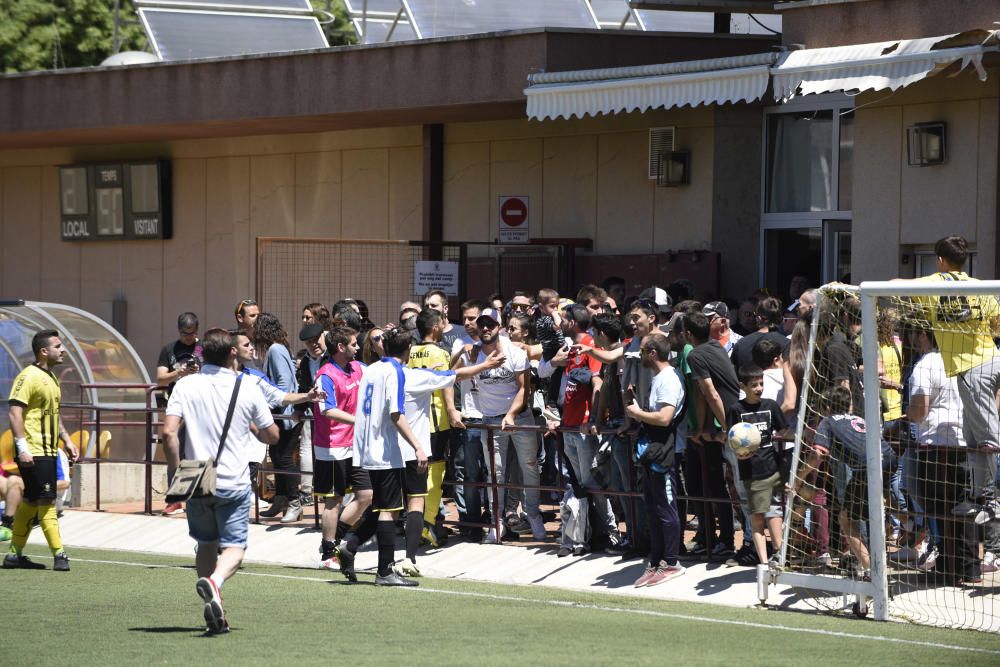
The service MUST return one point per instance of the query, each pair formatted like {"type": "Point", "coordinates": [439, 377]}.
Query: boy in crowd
{"type": "Point", "coordinates": [761, 471]}
{"type": "Point", "coordinates": [655, 449]}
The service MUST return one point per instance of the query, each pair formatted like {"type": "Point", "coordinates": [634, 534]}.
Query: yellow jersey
{"type": "Point", "coordinates": [433, 357]}
{"type": "Point", "coordinates": [962, 324]}
{"type": "Point", "coordinates": [892, 399]}
{"type": "Point", "coordinates": [37, 391]}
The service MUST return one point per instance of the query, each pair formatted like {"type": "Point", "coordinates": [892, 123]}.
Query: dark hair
{"type": "Point", "coordinates": [659, 343]}
{"type": "Point", "coordinates": [688, 306]}
{"type": "Point", "coordinates": [588, 292]}
{"type": "Point", "coordinates": [609, 325]}
{"type": "Point", "coordinates": [216, 345]}
{"type": "Point", "coordinates": [827, 324]}
{"type": "Point", "coordinates": [838, 400]}
{"type": "Point", "coordinates": [338, 336]}
{"type": "Point", "coordinates": [267, 331]}
{"type": "Point", "coordinates": [680, 290]}
{"type": "Point", "coordinates": [434, 292]}
{"type": "Point", "coordinates": [319, 312]}
{"type": "Point", "coordinates": [578, 313]}
{"type": "Point", "coordinates": [645, 306]}
{"type": "Point", "coordinates": [345, 316]}
{"type": "Point", "coordinates": [242, 306]}
{"type": "Point", "coordinates": [765, 351]}
{"type": "Point", "coordinates": [527, 324]}
{"type": "Point", "coordinates": [952, 249]}
{"type": "Point", "coordinates": [496, 296]}
{"type": "Point", "coordinates": [749, 373]}
{"type": "Point", "coordinates": [363, 308]}
{"type": "Point", "coordinates": [41, 339]}
{"type": "Point", "coordinates": [698, 326]}
{"type": "Point", "coordinates": [396, 342]}
{"type": "Point", "coordinates": [769, 312]}
{"type": "Point", "coordinates": [473, 303]}
{"type": "Point", "coordinates": [187, 320]}
{"type": "Point", "coordinates": [426, 321]}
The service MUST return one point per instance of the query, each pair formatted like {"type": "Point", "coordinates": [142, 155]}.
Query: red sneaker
{"type": "Point", "coordinates": [215, 617]}
{"type": "Point", "coordinates": [646, 576]}
{"type": "Point", "coordinates": [173, 508]}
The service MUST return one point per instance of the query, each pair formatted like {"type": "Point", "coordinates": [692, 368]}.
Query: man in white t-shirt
{"type": "Point", "coordinates": [498, 394]}
{"type": "Point", "coordinates": [381, 432]}
{"type": "Point", "coordinates": [218, 522]}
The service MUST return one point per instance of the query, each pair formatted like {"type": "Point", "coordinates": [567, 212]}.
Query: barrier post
{"type": "Point", "coordinates": [148, 495]}
{"type": "Point", "coordinates": [97, 457]}
{"type": "Point", "coordinates": [494, 492]}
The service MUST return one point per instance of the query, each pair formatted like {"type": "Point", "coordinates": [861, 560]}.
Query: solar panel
{"type": "Point", "coordinates": [186, 35]}
{"type": "Point", "coordinates": [674, 21]}
{"type": "Point", "coordinates": [378, 29]}
{"type": "Point", "coordinates": [441, 18]}
{"type": "Point", "coordinates": [229, 5]}
{"type": "Point", "coordinates": [611, 13]}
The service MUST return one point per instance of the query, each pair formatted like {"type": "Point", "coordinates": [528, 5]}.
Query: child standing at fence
{"type": "Point", "coordinates": [761, 471]}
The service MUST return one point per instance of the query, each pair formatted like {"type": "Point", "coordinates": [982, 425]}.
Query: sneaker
{"type": "Point", "coordinates": [491, 537]}
{"type": "Point", "coordinates": [278, 505]}
{"type": "Point", "coordinates": [721, 552]}
{"type": "Point", "coordinates": [774, 563]}
{"type": "Point", "coordinates": [580, 550]}
{"type": "Point", "coordinates": [518, 524]}
{"type": "Point", "coordinates": [989, 512]}
{"type": "Point", "coordinates": [620, 548]}
{"type": "Point", "coordinates": [564, 551]}
{"type": "Point", "coordinates": [393, 579]}
{"type": "Point", "coordinates": [965, 508]}
{"type": "Point", "coordinates": [407, 568]}
{"type": "Point", "coordinates": [429, 537]}
{"type": "Point", "coordinates": [60, 563]}
{"type": "Point", "coordinates": [293, 512]}
{"type": "Point", "coordinates": [215, 617]}
{"type": "Point", "coordinates": [665, 572]}
{"type": "Point", "coordinates": [989, 562]}
{"type": "Point", "coordinates": [971, 580]}
{"type": "Point", "coordinates": [696, 548]}
{"type": "Point", "coordinates": [928, 559]}
{"type": "Point", "coordinates": [745, 557]}
{"type": "Point", "coordinates": [538, 531]}
{"type": "Point", "coordinates": [5, 533]}
{"type": "Point", "coordinates": [825, 560]}
{"type": "Point", "coordinates": [346, 560]}
{"type": "Point", "coordinates": [172, 509]}
{"type": "Point", "coordinates": [14, 561]}
{"type": "Point", "coordinates": [646, 576]}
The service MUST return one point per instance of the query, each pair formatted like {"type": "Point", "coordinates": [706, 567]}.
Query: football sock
{"type": "Point", "coordinates": [342, 529]}
{"type": "Point", "coordinates": [47, 519]}
{"type": "Point", "coordinates": [326, 548]}
{"type": "Point", "coordinates": [218, 581]}
{"type": "Point", "coordinates": [386, 535]}
{"type": "Point", "coordinates": [7, 521]}
{"type": "Point", "coordinates": [435, 476]}
{"type": "Point", "coordinates": [414, 526]}
{"type": "Point", "coordinates": [23, 520]}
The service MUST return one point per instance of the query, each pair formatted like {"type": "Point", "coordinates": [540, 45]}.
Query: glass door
{"type": "Point", "coordinates": [837, 251]}
{"type": "Point", "coordinates": [788, 253]}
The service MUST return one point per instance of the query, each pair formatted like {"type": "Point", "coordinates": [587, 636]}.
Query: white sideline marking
{"type": "Point", "coordinates": [596, 607]}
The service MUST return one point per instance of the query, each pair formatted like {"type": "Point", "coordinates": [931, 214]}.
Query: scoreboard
{"type": "Point", "coordinates": [130, 200]}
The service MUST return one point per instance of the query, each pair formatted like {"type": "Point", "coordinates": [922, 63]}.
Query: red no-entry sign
{"type": "Point", "coordinates": [513, 219]}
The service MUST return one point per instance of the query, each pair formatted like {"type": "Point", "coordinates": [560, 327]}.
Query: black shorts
{"type": "Point", "coordinates": [338, 478]}
{"type": "Point", "coordinates": [439, 445]}
{"type": "Point", "coordinates": [856, 498]}
{"type": "Point", "coordinates": [39, 479]}
{"type": "Point", "coordinates": [391, 485]}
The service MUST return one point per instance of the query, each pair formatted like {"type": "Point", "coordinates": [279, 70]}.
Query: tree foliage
{"type": "Point", "coordinates": [53, 34]}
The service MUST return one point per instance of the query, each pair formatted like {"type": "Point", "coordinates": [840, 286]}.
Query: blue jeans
{"type": "Point", "coordinates": [222, 518]}
{"type": "Point", "coordinates": [526, 445]}
{"type": "Point", "coordinates": [470, 468]}
{"type": "Point", "coordinates": [621, 480]}
{"type": "Point", "coordinates": [580, 450]}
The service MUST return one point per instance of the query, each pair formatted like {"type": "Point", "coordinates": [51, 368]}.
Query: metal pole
{"type": "Point", "coordinates": [97, 457]}
{"type": "Point", "coordinates": [873, 446]}
{"type": "Point", "coordinates": [497, 510]}
{"type": "Point", "coordinates": [148, 508]}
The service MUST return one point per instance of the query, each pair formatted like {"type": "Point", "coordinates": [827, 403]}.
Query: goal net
{"type": "Point", "coordinates": [894, 509]}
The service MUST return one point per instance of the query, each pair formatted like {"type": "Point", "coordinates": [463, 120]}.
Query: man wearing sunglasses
{"type": "Point", "coordinates": [179, 359]}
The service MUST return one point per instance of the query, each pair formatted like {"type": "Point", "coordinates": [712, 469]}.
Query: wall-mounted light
{"type": "Point", "coordinates": [926, 144]}
{"type": "Point", "coordinates": [675, 169]}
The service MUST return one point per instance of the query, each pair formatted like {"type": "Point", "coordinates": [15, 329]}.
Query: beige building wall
{"type": "Point", "coordinates": [896, 205]}
{"type": "Point", "coordinates": [585, 178]}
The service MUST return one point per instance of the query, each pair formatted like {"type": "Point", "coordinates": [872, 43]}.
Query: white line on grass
{"type": "Point", "coordinates": [596, 607]}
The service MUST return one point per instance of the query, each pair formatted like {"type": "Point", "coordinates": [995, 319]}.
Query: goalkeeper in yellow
{"type": "Point", "coordinates": [964, 326]}
{"type": "Point", "coordinates": [38, 428]}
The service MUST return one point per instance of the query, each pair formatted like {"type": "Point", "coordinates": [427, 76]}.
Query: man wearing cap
{"type": "Point", "coordinates": [717, 313]}
{"type": "Point", "coordinates": [499, 394]}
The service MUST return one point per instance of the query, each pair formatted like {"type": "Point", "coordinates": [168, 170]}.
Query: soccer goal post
{"type": "Point", "coordinates": [893, 472]}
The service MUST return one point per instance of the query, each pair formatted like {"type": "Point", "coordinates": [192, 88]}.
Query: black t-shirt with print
{"type": "Point", "coordinates": [767, 417]}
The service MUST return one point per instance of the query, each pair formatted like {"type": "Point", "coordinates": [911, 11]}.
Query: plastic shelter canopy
{"type": "Point", "coordinates": [95, 354]}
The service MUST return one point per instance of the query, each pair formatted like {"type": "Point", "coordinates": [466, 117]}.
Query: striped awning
{"type": "Point", "coordinates": [622, 90]}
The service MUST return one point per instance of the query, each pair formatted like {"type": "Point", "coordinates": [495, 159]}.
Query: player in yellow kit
{"type": "Point", "coordinates": [37, 426]}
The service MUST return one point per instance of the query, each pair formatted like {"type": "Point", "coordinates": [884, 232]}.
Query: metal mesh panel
{"type": "Point", "coordinates": [294, 272]}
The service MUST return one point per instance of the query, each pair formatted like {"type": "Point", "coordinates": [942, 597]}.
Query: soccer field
{"type": "Point", "coordinates": [118, 608]}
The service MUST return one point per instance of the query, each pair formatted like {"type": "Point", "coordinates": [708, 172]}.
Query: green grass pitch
{"type": "Point", "coordinates": [121, 608]}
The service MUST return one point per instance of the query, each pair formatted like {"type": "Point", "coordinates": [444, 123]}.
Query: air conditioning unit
{"type": "Point", "coordinates": [661, 142]}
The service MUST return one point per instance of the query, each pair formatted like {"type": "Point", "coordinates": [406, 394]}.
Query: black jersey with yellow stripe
{"type": "Point", "coordinates": [37, 391]}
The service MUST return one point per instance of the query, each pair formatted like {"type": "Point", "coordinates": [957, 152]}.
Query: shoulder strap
{"type": "Point", "coordinates": [229, 418]}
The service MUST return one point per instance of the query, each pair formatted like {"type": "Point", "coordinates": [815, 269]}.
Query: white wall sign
{"type": "Point", "coordinates": [513, 220]}
{"type": "Point", "coordinates": [435, 275]}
